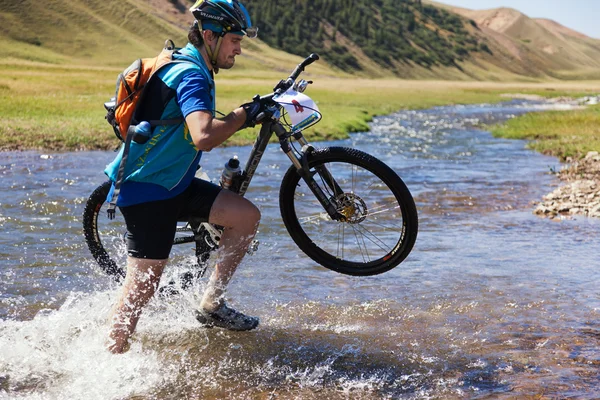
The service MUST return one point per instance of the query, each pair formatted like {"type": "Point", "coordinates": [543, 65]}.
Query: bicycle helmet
{"type": "Point", "coordinates": [224, 16]}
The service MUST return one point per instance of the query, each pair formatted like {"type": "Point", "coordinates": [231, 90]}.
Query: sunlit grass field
{"type": "Point", "coordinates": [58, 107]}
{"type": "Point", "coordinates": [559, 133]}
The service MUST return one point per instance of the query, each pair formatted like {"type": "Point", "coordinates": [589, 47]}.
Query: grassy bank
{"type": "Point", "coordinates": [55, 107]}
{"type": "Point", "coordinates": [560, 133]}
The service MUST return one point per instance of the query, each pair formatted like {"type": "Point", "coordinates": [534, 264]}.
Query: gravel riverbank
{"type": "Point", "coordinates": [580, 193]}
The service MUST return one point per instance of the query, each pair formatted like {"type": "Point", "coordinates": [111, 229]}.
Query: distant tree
{"type": "Point", "coordinates": [319, 34]}
{"type": "Point", "coordinates": [412, 23]}
{"type": "Point", "coordinates": [484, 47]}
{"type": "Point", "coordinates": [335, 29]}
{"type": "Point", "coordinates": [388, 31]}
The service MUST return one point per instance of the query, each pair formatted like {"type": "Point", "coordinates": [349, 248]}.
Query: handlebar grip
{"type": "Point", "coordinates": [310, 59]}
{"type": "Point", "coordinates": [284, 85]}
{"type": "Point", "coordinates": [307, 61]}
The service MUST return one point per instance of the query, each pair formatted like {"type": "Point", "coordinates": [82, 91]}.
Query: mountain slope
{"type": "Point", "coordinates": [545, 45]}
{"type": "Point", "coordinates": [390, 35]}
{"type": "Point", "coordinates": [91, 31]}
{"type": "Point", "coordinates": [371, 38]}
{"type": "Point", "coordinates": [112, 33]}
{"type": "Point", "coordinates": [106, 33]}
{"type": "Point", "coordinates": [400, 41]}
{"type": "Point", "coordinates": [559, 30]}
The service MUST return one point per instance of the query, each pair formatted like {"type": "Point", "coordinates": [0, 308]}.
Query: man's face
{"type": "Point", "coordinates": [231, 46]}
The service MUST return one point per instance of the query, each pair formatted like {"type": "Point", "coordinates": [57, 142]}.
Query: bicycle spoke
{"type": "Point", "coordinates": [341, 242]}
{"type": "Point", "coordinates": [364, 245]}
{"type": "Point", "coordinates": [366, 234]}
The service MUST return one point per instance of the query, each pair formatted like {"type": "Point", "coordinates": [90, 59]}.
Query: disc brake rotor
{"type": "Point", "coordinates": [352, 207]}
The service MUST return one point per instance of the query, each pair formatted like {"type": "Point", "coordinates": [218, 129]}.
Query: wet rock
{"type": "Point", "coordinates": [581, 194]}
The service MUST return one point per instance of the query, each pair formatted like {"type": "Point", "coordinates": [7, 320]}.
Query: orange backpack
{"type": "Point", "coordinates": [130, 86]}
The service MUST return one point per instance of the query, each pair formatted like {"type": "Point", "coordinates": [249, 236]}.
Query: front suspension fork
{"type": "Point", "coordinates": [302, 168]}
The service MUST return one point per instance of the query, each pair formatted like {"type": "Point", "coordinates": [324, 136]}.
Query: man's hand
{"type": "Point", "coordinates": [256, 112]}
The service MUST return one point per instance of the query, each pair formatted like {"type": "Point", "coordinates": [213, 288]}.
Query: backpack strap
{"type": "Point", "coordinates": [112, 205]}
{"type": "Point", "coordinates": [130, 132]}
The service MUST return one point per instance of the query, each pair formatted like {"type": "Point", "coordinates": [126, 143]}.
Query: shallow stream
{"type": "Point", "coordinates": [493, 301]}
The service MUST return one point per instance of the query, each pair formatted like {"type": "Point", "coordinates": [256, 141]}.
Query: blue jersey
{"type": "Point", "coordinates": [164, 166]}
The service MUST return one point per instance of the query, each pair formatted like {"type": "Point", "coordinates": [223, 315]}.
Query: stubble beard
{"type": "Point", "coordinates": [228, 63]}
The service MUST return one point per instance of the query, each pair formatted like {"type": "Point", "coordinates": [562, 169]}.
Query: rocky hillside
{"type": "Point", "coordinates": [537, 47]}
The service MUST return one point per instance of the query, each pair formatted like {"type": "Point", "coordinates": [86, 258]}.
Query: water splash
{"type": "Point", "coordinates": [492, 302]}
{"type": "Point", "coordinates": [61, 354]}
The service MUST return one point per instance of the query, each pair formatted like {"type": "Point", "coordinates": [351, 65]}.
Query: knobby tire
{"type": "Point", "coordinates": [383, 225]}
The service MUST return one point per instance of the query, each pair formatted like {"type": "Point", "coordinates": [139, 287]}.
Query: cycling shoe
{"type": "Point", "coordinates": [227, 318]}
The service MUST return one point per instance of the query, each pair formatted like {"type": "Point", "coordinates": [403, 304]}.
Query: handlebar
{"type": "Point", "coordinates": [284, 85]}
{"type": "Point", "coordinates": [300, 68]}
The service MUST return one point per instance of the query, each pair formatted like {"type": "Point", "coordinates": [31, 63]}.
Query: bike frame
{"type": "Point", "coordinates": [264, 136]}
{"type": "Point", "coordinates": [271, 126]}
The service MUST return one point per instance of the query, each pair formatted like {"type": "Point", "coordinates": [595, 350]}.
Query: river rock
{"type": "Point", "coordinates": [581, 194]}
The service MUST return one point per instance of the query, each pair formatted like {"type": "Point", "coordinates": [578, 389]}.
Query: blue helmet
{"type": "Point", "coordinates": [224, 16]}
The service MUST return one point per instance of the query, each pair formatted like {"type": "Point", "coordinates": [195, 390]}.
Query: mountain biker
{"type": "Point", "coordinates": [159, 186]}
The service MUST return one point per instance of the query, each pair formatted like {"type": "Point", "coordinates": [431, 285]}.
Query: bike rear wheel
{"type": "Point", "coordinates": [106, 242]}
{"type": "Point", "coordinates": [382, 223]}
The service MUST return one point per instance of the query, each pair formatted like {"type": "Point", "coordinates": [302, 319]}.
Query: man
{"type": "Point", "coordinates": [159, 186]}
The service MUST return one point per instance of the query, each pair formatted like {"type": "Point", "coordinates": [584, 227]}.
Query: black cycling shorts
{"type": "Point", "coordinates": [151, 226]}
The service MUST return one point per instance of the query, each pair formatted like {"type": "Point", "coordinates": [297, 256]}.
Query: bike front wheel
{"type": "Point", "coordinates": [380, 225]}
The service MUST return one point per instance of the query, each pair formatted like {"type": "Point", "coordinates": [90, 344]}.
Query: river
{"type": "Point", "coordinates": [493, 301]}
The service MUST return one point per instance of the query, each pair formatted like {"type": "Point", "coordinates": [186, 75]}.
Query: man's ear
{"type": "Point", "coordinates": [209, 36]}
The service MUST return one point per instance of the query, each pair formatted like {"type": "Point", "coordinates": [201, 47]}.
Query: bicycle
{"type": "Point", "coordinates": [345, 209]}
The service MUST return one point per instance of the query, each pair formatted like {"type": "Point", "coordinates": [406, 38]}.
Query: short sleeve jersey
{"type": "Point", "coordinates": [193, 94]}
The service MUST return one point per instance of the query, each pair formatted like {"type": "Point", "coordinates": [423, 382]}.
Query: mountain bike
{"type": "Point", "coordinates": [345, 209]}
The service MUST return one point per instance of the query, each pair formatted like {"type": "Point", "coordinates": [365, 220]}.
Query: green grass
{"type": "Point", "coordinates": [54, 107]}
{"type": "Point", "coordinates": [58, 107]}
{"type": "Point", "coordinates": [560, 133]}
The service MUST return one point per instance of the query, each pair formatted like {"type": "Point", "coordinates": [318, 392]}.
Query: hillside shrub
{"type": "Point", "coordinates": [387, 31]}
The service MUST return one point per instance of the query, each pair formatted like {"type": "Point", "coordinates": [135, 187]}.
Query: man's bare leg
{"type": "Point", "coordinates": [141, 281]}
{"type": "Point", "coordinates": [240, 219]}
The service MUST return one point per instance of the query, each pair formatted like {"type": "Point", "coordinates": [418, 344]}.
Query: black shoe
{"type": "Point", "coordinates": [227, 318]}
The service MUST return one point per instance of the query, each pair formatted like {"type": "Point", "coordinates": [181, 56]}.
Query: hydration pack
{"type": "Point", "coordinates": [129, 89]}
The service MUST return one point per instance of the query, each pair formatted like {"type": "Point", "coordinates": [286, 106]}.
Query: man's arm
{"type": "Point", "coordinates": [209, 132]}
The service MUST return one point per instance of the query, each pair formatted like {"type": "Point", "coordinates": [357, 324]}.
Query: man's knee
{"type": "Point", "coordinates": [249, 218]}
{"type": "Point", "coordinates": [254, 214]}
{"type": "Point", "coordinates": [233, 211]}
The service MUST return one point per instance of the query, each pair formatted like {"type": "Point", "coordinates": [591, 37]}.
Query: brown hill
{"type": "Point", "coordinates": [542, 46]}
{"type": "Point", "coordinates": [558, 29]}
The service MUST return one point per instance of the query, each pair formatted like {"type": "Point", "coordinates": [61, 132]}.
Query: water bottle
{"type": "Point", "coordinates": [232, 168]}
{"type": "Point", "coordinates": [142, 132]}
